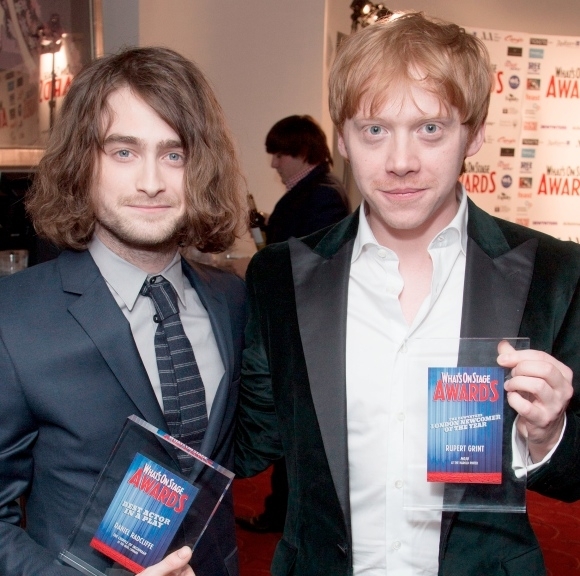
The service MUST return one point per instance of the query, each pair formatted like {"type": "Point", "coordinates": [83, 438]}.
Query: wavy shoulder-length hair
{"type": "Point", "coordinates": [60, 200]}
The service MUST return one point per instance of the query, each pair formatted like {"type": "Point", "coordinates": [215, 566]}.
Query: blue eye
{"type": "Point", "coordinates": [375, 130]}
{"type": "Point", "coordinates": [174, 156]}
{"type": "Point", "coordinates": [431, 128]}
{"type": "Point", "coordinates": [123, 153]}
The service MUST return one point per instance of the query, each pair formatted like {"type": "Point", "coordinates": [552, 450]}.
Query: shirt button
{"type": "Point", "coordinates": [401, 416]}
{"type": "Point", "coordinates": [440, 238]}
{"type": "Point", "coordinates": [396, 545]}
{"type": "Point", "coordinates": [381, 253]}
{"type": "Point", "coordinates": [399, 484]}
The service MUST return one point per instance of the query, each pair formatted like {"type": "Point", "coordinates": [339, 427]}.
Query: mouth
{"type": "Point", "coordinates": [150, 207]}
{"type": "Point", "coordinates": [402, 192]}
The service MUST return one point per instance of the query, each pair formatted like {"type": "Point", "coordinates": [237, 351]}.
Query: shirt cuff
{"type": "Point", "coordinates": [522, 461]}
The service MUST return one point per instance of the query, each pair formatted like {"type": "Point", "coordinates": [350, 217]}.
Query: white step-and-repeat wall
{"type": "Point", "coordinates": [528, 170]}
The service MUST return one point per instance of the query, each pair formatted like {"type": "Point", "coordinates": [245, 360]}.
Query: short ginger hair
{"type": "Point", "coordinates": [451, 63]}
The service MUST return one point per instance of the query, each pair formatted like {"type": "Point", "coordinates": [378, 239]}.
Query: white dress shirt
{"type": "Point", "coordinates": [387, 402]}
{"type": "Point", "coordinates": [125, 281]}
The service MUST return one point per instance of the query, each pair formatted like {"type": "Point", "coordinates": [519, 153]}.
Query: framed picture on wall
{"type": "Point", "coordinates": [43, 44]}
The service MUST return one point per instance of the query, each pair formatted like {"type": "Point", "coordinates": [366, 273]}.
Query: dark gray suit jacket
{"type": "Point", "coordinates": [293, 396]}
{"type": "Point", "coordinates": [70, 374]}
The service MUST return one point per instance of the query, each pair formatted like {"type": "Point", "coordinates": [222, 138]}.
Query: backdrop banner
{"type": "Point", "coordinates": [528, 170]}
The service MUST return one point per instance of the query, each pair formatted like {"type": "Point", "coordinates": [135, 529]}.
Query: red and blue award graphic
{"type": "Point", "coordinates": [465, 425]}
{"type": "Point", "coordinates": [144, 515]}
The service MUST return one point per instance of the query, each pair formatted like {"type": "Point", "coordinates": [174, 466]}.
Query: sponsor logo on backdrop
{"type": "Point", "coordinates": [567, 43]}
{"type": "Point", "coordinates": [507, 152]}
{"type": "Point", "coordinates": [504, 140]}
{"type": "Point", "coordinates": [506, 180]}
{"type": "Point", "coordinates": [559, 143]}
{"type": "Point", "coordinates": [567, 72]}
{"type": "Point", "coordinates": [553, 127]}
{"type": "Point", "coordinates": [514, 82]}
{"type": "Point", "coordinates": [532, 110]}
{"type": "Point", "coordinates": [533, 84]}
{"type": "Point", "coordinates": [513, 66]}
{"type": "Point", "coordinates": [523, 221]}
{"type": "Point", "coordinates": [539, 41]}
{"type": "Point", "coordinates": [532, 96]}
{"type": "Point", "coordinates": [528, 153]}
{"type": "Point", "coordinates": [536, 53]}
{"type": "Point", "coordinates": [503, 196]}
{"type": "Point", "coordinates": [544, 223]}
{"type": "Point", "coordinates": [526, 167]}
{"type": "Point", "coordinates": [562, 170]}
{"type": "Point", "coordinates": [508, 123]}
{"type": "Point", "coordinates": [530, 126]}
{"type": "Point", "coordinates": [525, 182]}
{"type": "Point", "coordinates": [504, 165]}
{"type": "Point", "coordinates": [514, 39]}
{"type": "Point", "coordinates": [498, 82]}
{"type": "Point", "coordinates": [562, 87]}
{"type": "Point", "coordinates": [530, 141]}
{"type": "Point", "coordinates": [488, 36]}
{"type": "Point", "coordinates": [501, 209]}
{"type": "Point", "coordinates": [511, 110]}
{"type": "Point", "coordinates": [478, 178]}
{"type": "Point", "coordinates": [524, 194]}
{"type": "Point", "coordinates": [534, 67]}
{"type": "Point", "coordinates": [511, 98]}
{"type": "Point", "coordinates": [571, 223]}
{"type": "Point", "coordinates": [515, 51]}
{"type": "Point", "coordinates": [559, 186]}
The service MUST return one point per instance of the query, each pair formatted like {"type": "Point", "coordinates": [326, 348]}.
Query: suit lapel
{"type": "Point", "coordinates": [320, 278]}
{"type": "Point", "coordinates": [101, 318]}
{"type": "Point", "coordinates": [217, 308]}
{"type": "Point", "coordinates": [497, 282]}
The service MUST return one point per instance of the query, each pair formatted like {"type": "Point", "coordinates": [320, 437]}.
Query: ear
{"type": "Point", "coordinates": [342, 147]}
{"type": "Point", "coordinates": [476, 141]}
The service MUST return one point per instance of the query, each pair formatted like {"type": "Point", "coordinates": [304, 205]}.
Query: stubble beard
{"type": "Point", "coordinates": [142, 235]}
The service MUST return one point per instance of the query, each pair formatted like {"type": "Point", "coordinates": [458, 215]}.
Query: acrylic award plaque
{"type": "Point", "coordinates": [468, 458]}
{"type": "Point", "coordinates": [142, 506]}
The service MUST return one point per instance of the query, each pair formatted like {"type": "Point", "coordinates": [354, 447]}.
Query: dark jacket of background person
{"type": "Point", "coordinates": [317, 201]}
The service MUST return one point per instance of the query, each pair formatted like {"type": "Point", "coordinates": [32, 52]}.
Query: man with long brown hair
{"type": "Point", "coordinates": [140, 162]}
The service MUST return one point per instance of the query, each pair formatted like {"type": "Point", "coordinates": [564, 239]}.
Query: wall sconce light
{"type": "Point", "coordinates": [50, 40]}
{"type": "Point", "coordinates": [365, 13]}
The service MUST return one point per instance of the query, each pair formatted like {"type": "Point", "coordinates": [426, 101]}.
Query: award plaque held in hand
{"type": "Point", "coordinates": [139, 502]}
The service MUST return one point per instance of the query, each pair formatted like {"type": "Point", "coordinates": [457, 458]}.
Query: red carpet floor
{"type": "Point", "coordinates": [255, 550]}
{"type": "Point", "coordinates": [557, 526]}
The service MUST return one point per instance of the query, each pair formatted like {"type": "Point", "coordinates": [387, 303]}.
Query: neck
{"type": "Point", "coordinates": [149, 259]}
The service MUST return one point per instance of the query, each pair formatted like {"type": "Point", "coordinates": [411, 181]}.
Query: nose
{"type": "Point", "coordinates": [275, 161]}
{"type": "Point", "coordinates": [150, 179]}
{"type": "Point", "coordinates": [402, 157]}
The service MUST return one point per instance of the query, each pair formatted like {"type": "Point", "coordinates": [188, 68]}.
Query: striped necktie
{"type": "Point", "coordinates": [181, 385]}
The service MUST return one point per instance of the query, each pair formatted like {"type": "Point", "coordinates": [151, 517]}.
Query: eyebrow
{"type": "Point", "coordinates": [123, 139]}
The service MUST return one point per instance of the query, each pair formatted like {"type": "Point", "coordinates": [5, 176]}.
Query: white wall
{"type": "Point", "coordinates": [265, 59]}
